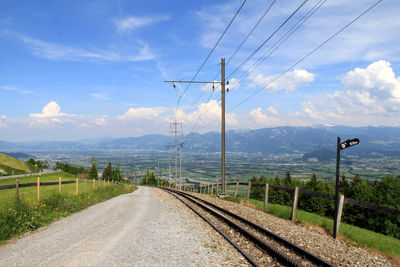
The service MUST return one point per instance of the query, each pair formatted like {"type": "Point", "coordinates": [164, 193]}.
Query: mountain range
{"type": "Point", "coordinates": [374, 141]}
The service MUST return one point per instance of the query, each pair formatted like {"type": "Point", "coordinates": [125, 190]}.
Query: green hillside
{"type": "Point", "coordinates": [9, 165]}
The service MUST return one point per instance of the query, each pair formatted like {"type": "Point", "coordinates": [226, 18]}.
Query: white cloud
{"type": "Point", "coordinates": [140, 52]}
{"type": "Point", "coordinates": [209, 114]}
{"type": "Point", "coordinates": [289, 82]}
{"type": "Point", "coordinates": [211, 86]}
{"type": "Point", "coordinates": [370, 96]}
{"type": "Point", "coordinates": [130, 23]}
{"type": "Point", "coordinates": [100, 121]}
{"type": "Point", "coordinates": [2, 124]}
{"type": "Point", "coordinates": [142, 113]}
{"type": "Point", "coordinates": [8, 88]}
{"type": "Point", "coordinates": [100, 96]}
{"type": "Point", "coordinates": [52, 109]}
{"type": "Point", "coordinates": [272, 110]}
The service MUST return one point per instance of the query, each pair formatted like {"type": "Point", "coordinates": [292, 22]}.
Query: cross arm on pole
{"type": "Point", "coordinates": [181, 81]}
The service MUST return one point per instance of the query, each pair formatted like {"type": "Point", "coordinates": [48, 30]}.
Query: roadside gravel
{"type": "Point", "coordinates": [334, 251]}
{"type": "Point", "coordinates": [145, 228]}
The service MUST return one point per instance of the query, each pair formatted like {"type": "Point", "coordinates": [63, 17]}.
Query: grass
{"type": "Point", "coordinates": [354, 235]}
{"type": "Point", "coordinates": [13, 163]}
{"type": "Point", "coordinates": [50, 177]}
{"type": "Point", "coordinates": [28, 214]}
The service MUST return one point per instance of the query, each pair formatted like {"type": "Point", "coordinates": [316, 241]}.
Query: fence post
{"type": "Point", "coordinates": [17, 189]}
{"type": "Point", "coordinates": [212, 189]}
{"type": "Point", "coordinates": [38, 189]}
{"type": "Point", "coordinates": [208, 188]}
{"type": "Point", "coordinates": [294, 208]}
{"type": "Point", "coordinates": [94, 185]}
{"type": "Point", "coordinates": [338, 216]}
{"type": "Point", "coordinates": [266, 196]}
{"type": "Point", "coordinates": [108, 182]}
{"type": "Point", "coordinates": [236, 189]}
{"type": "Point", "coordinates": [85, 186]}
{"type": "Point", "coordinates": [248, 192]}
{"type": "Point", "coordinates": [77, 186]}
{"type": "Point", "coordinates": [59, 184]}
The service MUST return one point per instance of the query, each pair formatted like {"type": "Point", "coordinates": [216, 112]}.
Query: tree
{"type": "Point", "coordinates": [116, 174]}
{"type": "Point", "coordinates": [149, 179]}
{"type": "Point", "coordinates": [276, 195]}
{"type": "Point", "coordinates": [288, 179]}
{"type": "Point", "coordinates": [93, 174]}
{"type": "Point", "coordinates": [312, 203]}
{"type": "Point", "coordinates": [107, 172]}
{"type": "Point", "coordinates": [343, 185]}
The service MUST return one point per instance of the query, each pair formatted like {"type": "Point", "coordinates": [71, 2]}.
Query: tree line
{"type": "Point", "coordinates": [108, 173]}
{"type": "Point", "coordinates": [385, 192]}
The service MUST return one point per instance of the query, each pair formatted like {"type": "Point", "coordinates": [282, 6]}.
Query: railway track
{"type": "Point", "coordinates": [257, 244]}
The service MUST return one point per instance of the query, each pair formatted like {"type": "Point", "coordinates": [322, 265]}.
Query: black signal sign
{"type": "Point", "coordinates": [349, 143]}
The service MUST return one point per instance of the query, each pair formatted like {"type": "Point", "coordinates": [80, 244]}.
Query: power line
{"type": "Point", "coordinates": [277, 44]}
{"type": "Point", "coordinates": [269, 37]}
{"type": "Point", "coordinates": [309, 54]}
{"type": "Point", "coordinates": [251, 31]}
{"type": "Point", "coordinates": [212, 50]}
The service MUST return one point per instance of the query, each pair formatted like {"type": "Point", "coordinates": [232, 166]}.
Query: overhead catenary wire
{"type": "Point", "coordinates": [307, 55]}
{"type": "Point", "coordinates": [230, 58]}
{"type": "Point", "coordinates": [278, 43]}
{"type": "Point", "coordinates": [250, 32]}
{"type": "Point", "coordinates": [266, 40]}
{"type": "Point", "coordinates": [208, 56]}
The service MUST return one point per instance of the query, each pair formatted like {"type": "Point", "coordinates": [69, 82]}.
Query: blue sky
{"type": "Point", "coordinates": [71, 70]}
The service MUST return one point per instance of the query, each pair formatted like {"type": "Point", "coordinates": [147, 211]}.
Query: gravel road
{"type": "Point", "coordinates": [145, 228]}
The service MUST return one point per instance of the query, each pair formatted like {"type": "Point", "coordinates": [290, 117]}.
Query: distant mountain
{"type": "Point", "coordinates": [374, 141]}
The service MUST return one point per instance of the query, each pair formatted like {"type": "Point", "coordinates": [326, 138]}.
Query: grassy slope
{"type": "Point", "coordinates": [13, 163]}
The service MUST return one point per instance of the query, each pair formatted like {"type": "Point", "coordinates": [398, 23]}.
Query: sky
{"type": "Point", "coordinates": [72, 70]}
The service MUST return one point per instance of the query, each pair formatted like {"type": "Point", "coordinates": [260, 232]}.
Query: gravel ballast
{"type": "Point", "coordinates": [148, 227]}
{"type": "Point", "coordinates": [333, 251]}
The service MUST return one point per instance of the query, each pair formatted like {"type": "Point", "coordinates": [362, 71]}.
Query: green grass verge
{"type": "Point", "coordinates": [18, 217]}
{"type": "Point", "coordinates": [361, 237]}
{"type": "Point", "coordinates": [50, 177]}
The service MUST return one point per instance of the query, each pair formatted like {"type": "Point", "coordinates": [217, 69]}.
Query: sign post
{"type": "Point", "coordinates": [340, 146]}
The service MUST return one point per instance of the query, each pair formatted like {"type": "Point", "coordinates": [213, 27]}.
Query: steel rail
{"type": "Point", "coordinates": [299, 250]}
{"type": "Point", "coordinates": [236, 246]}
{"type": "Point", "coordinates": [313, 258]}
{"type": "Point", "coordinates": [280, 257]}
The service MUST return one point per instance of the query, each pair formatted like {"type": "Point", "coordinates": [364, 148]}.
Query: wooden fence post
{"type": "Point", "coordinates": [295, 200]}
{"type": "Point", "coordinates": [94, 185]}
{"type": "Point", "coordinates": [266, 196]}
{"type": "Point", "coordinates": [59, 184]}
{"type": "Point", "coordinates": [77, 186]}
{"type": "Point", "coordinates": [338, 216]}
{"type": "Point", "coordinates": [248, 192]}
{"type": "Point", "coordinates": [85, 186]}
{"type": "Point", "coordinates": [212, 189]}
{"type": "Point", "coordinates": [236, 189]}
{"type": "Point", "coordinates": [38, 189]}
{"type": "Point", "coordinates": [17, 189]}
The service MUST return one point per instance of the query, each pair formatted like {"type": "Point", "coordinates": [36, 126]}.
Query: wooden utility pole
{"type": "Point", "coordinates": [222, 82]}
{"type": "Point", "coordinates": [223, 126]}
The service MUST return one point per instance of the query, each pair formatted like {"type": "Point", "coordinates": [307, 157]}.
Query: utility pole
{"type": "Point", "coordinates": [175, 131]}
{"type": "Point", "coordinates": [223, 126]}
{"type": "Point", "coordinates": [158, 173]}
{"type": "Point", "coordinates": [222, 82]}
{"type": "Point", "coordinates": [180, 164]}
